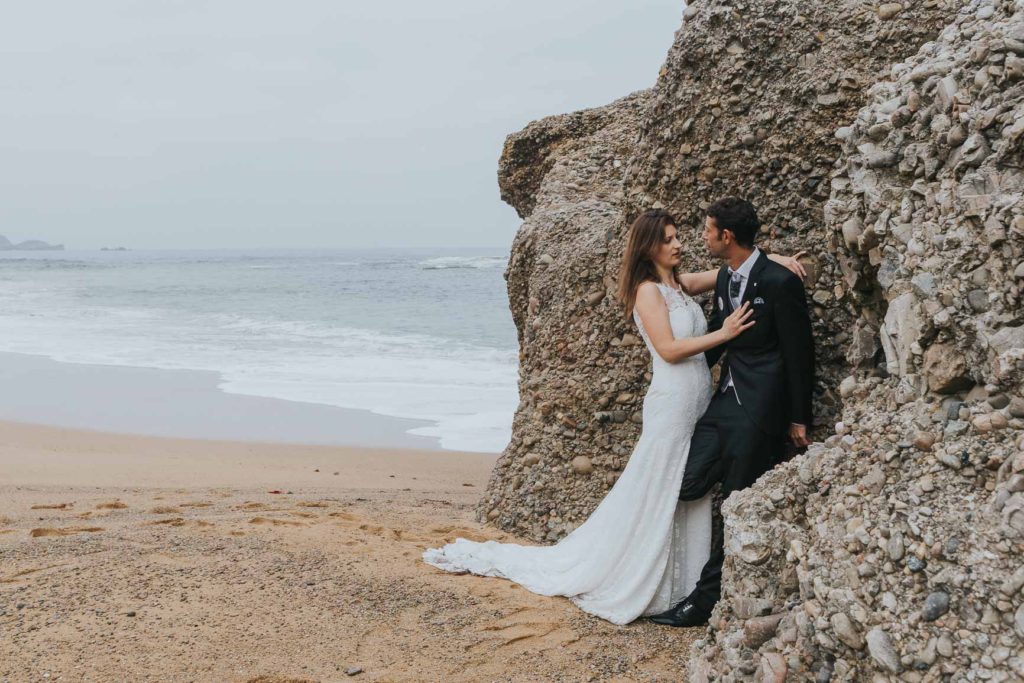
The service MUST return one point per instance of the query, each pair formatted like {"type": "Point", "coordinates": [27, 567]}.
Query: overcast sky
{"type": "Point", "coordinates": [317, 123]}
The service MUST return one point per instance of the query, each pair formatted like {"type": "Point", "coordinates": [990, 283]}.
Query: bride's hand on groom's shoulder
{"type": "Point", "coordinates": [792, 263]}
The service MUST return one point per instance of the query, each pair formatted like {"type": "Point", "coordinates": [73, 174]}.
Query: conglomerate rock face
{"type": "Point", "coordinates": [887, 140]}
{"type": "Point", "coordinates": [747, 103]}
{"type": "Point", "coordinates": [580, 366]}
{"type": "Point", "coordinates": [895, 549]}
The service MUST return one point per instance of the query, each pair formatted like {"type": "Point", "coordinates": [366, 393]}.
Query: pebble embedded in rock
{"type": "Point", "coordinates": [924, 441]}
{"type": "Point", "coordinates": [1016, 407]}
{"type": "Point", "coordinates": [982, 423]}
{"type": "Point", "coordinates": [846, 631]}
{"type": "Point", "coordinates": [888, 10]}
{"type": "Point", "coordinates": [999, 401]}
{"type": "Point", "coordinates": [881, 649]}
{"type": "Point", "coordinates": [978, 300]}
{"type": "Point", "coordinates": [935, 605]}
{"type": "Point", "coordinates": [759, 630]}
{"type": "Point", "coordinates": [895, 547]}
{"type": "Point", "coordinates": [944, 646]}
{"type": "Point", "coordinates": [773, 668]}
{"type": "Point", "coordinates": [582, 465]}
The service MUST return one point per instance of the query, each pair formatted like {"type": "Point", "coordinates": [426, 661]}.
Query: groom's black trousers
{"type": "Point", "coordinates": [727, 448]}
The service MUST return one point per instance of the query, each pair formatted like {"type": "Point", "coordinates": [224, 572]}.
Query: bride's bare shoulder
{"type": "Point", "coordinates": [648, 290]}
{"type": "Point", "coordinates": [649, 297]}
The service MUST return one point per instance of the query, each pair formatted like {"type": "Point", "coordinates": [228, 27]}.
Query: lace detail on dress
{"type": "Point", "coordinates": [692, 324]}
{"type": "Point", "coordinates": [675, 298]}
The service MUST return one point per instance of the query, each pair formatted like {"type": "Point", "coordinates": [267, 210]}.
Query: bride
{"type": "Point", "coordinates": [642, 550]}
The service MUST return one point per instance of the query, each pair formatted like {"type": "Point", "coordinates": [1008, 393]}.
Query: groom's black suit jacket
{"type": "Point", "coordinates": [772, 363]}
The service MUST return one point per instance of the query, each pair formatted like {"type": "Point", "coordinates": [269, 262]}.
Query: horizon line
{"type": "Point", "coordinates": [258, 248]}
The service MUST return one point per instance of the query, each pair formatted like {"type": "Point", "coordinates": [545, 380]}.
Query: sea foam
{"type": "Point", "coordinates": [298, 330]}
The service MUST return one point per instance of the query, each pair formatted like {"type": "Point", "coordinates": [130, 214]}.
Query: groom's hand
{"type": "Point", "coordinates": [798, 435]}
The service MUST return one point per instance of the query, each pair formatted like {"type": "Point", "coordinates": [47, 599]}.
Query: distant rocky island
{"type": "Point", "coordinates": [28, 245]}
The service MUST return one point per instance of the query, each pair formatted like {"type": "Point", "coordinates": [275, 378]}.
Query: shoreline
{"type": "Point", "coordinates": [144, 401]}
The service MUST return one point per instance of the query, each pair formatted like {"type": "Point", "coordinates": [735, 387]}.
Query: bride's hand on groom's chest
{"type": "Point", "coordinates": [761, 315]}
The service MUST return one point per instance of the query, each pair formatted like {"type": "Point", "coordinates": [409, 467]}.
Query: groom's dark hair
{"type": "Point", "coordinates": [738, 216]}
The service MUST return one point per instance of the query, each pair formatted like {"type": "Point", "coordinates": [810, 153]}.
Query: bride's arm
{"type": "Point", "coordinates": [698, 283]}
{"type": "Point", "coordinates": [650, 306]}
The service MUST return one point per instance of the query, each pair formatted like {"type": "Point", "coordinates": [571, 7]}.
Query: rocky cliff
{"type": "Point", "coordinates": [886, 140]}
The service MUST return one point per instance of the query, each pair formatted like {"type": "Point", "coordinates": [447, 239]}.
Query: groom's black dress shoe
{"type": "Point", "coordinates": [684, 614]}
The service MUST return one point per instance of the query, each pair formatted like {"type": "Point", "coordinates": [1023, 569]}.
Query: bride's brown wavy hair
{"type": "Point", "coordinates": [646, 233]}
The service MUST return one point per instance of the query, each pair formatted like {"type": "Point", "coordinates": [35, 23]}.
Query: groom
{"type": "Point", "coordinates": [764, 395]}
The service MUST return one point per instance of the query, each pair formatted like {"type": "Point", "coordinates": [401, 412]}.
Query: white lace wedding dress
{"type": "Point", "coordinates": [642, 550]}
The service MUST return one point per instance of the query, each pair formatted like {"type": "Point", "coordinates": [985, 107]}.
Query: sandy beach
{"type": "Point", "coordinates": [131, 558]}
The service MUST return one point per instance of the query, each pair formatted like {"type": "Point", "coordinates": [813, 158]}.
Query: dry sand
{"type": "Point", "coordinates": [128, 558]}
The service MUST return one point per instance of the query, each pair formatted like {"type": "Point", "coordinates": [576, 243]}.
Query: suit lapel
{"type": "Point", "coordinates": [722, 290]}
{"type": "Point", "coordinates": [750, 293]}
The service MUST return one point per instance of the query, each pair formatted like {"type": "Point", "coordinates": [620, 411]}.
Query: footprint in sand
{"type": "Point", "coordinates": [53, 506]}
{"type": "Point", "coordinates": [349, 520]}
{"type": "Point", "coordinates": [274, 522]}
{"type": "Point", "coordinates": [314, 504]}
{"type": "Point", "coordinates": [526, 629]}
{"type": "Point", "coordinates": [66, 531]}
{"type": "Point", "coordinates": [112, 505]}
{"type": "Point", "coordinates": [25, 572]}
{"type": "Point", "coordinates": [178, 521]}
{"type": "Point", "coordinates": [447, 534]}
{"type": "Point", "coordinates": [382, 531]}
{"type": "Point", "coordinates": [165, 510]}
{"type": "Point", "coordinates": [196, 504]}
{"type": "Point", "coordinates": [173, 521]}
{"type": "Point", "coordinates": [250, 505]}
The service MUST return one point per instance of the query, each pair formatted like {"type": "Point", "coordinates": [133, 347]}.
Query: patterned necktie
{"type": "Point", "coordinates": [734, 285]}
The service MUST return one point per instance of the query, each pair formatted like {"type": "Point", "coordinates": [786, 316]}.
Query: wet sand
{"type": "Point", "coordinates": [182, 403]}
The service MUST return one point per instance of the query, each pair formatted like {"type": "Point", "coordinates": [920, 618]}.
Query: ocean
{"type": "Point", "coordinates": [414, 333]}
